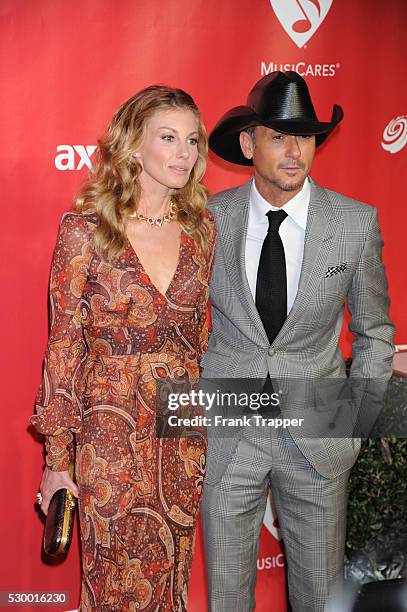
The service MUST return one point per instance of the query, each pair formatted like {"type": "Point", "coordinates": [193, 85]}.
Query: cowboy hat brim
{"type": "Point", "coordinates": [224, 138]}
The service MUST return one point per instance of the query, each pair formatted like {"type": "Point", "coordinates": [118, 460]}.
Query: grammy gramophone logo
{"type": "Point", "coordinates": [301, 18]}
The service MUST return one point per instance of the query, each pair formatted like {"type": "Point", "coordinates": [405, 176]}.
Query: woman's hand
{"type": "Point", "coordinates": [51, 482]}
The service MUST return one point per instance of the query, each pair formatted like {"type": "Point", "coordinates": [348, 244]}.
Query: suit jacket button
{"type": "Point", "coordinates": [271, 352]}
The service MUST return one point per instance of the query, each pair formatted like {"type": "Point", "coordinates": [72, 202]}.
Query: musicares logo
{"type": "Point", "coordinates": [395, 134]}
{"type": "Point", "coordinates": [301, 18]}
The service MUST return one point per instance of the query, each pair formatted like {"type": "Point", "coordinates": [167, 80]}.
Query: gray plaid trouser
{"type": "Point", "coordinates": [312, 516]}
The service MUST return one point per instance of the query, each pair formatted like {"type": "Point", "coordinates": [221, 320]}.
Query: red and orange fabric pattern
{"type": "Point", "coordinates": [113, 336]}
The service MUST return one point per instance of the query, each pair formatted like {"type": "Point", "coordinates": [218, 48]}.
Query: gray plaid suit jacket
{"type": "Point", "coordinates": [339, 231]}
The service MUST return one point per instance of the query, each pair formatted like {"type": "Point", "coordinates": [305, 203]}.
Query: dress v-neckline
{"type": "Point", "coordinates": [147, 275]}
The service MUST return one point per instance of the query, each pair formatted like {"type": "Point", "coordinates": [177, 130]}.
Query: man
{"type": "Point", "coordinates": [289, 254]}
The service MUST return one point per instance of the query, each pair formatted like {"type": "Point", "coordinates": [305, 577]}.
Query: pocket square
{"type": "Point", "coordinates": [336, 269]}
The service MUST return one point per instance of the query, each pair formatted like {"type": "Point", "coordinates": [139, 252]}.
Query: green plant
{"type": "Point", "coordinates": [376, 544]}
{"type": "Point", "coordinates": [377, 508]}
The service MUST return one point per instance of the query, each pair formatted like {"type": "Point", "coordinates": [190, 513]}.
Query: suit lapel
{"type": "Point", "coordinates": [322, 224]}
{"type": "Point", "coordinates": [233, 228]}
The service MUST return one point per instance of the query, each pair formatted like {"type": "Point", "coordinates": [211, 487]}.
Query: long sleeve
{"type": "Point", "coordinates": [206, 319]}
{"type": "Point", "coordinates": [58, 401]}
{"type": "Point", "coordinates": [368, 301]}
{"type": "Point", "coordinates": [372, 349]}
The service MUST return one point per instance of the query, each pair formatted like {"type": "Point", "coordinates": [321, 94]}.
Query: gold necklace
{"type": "Point", "coordinates": [167, 218]}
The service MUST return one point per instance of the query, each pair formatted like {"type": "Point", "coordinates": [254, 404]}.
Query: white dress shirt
{"type": "Point", "coordinates": [292, 233]}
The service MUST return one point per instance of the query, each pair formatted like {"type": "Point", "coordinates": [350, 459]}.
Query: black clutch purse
{"type": "Point", "coordinates": [59, 523]}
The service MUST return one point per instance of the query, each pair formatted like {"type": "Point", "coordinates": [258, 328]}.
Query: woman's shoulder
{"type": "Point", "coordinates": [208, 215]}
{"type": "Point", "coordinates": [76, 226]}
{"type": "Point", "coordinates": [210, 223]}
{"type": "Point", "coordinates": [210, 229]}
{"type": "Point", "coordinates": [78, 221]}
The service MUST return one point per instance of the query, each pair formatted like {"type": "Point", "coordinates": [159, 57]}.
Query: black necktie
{"type": "Point", "coordinates": [271, 287]}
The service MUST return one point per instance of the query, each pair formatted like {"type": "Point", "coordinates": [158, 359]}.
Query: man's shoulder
{"type": "Point", "coordinates": [219, 201]}
{"type": "Point", "coordinates": [346, 204]}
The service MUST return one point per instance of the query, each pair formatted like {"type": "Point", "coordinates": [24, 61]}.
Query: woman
{"type": "Point", "coordinates": [129, 294]}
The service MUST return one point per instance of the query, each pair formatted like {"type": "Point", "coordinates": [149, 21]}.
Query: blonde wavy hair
{"type": "Point", "coordinates": [113, 191]}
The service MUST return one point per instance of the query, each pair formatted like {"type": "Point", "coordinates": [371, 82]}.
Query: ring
{"type": "Point", "coordinates": [39, 498]}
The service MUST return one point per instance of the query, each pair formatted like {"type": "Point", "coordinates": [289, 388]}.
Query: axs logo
{"type": "Point", "coordinates": [74, 157]}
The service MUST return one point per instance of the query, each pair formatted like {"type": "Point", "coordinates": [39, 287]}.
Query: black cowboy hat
{"type": "Point", "coordinates": [281, 101]}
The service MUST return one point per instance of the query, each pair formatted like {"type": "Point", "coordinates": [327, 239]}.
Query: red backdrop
{"type": "Point", "coordinates": [66, 67]}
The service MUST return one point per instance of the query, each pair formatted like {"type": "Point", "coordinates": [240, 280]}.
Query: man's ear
{"type": "Point", "coordinates": [246, 144]}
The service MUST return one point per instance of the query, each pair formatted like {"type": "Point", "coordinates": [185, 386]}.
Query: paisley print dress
{"type": "Point", "coordinates": [113, 336]}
